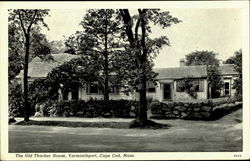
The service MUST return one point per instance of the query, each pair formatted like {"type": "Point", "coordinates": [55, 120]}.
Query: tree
{"type": "Point", "coordinates": [142, 49]}
{"type": "Point", "coordinates": [30, 22]}
{"type": "Point", "coordinates": [237, 61]}
{"type": "Point", "coordinates": [58, 46]}
{"type": "Point", "coordinates": [98, 44]}
{"type": "Point", "coordinates": [209, 59]}
{"type": "Point", "coordinates": [15, 50]}
{"type": "Point", "coordinates": [201, 58]}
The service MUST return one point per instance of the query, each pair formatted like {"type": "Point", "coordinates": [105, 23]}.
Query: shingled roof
{"type": "Point", "coordinates": [39, 68]}
{"type": "Point", "coordinates": [182, 72]}
{"type": "Point", "coordinates": [227, 69]}
{"type": "Point", "coordinates": [192, 71]}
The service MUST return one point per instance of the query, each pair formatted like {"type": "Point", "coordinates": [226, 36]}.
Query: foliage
{"type": "Point", "coordinates": [39, 92]}
{"type": "Point", "coordinates": [98, 44]}
{"type": "Point", "coordinates": [209, 59]}
{"type": "Point", "coordinates": [237, 61]}
{"type": "Point", "coordinates": [39, 46]}
{"type": "Point", "coordinates": [76, 72]}
{"type": "Point", "coordinates": [15, 50]}
{"type": "Point", "coordinates": [214, 80]}
{"type": "Point", "coordinates": [142, 50]}
{"type": "Point", "coordinates": [201, 58]}
{"type": "Point", "coordinates": [58, 46]}
{"type": "Point", "coordinates": [138, 56]}
{"type": "Point", "coordinates": [91, 108]}
{"type": "Point", "coordinates": [15, 100]}
{"type": "Point", "coordinates": [29, 21]}
{"type": "Point", "coordinates": [189, 87]}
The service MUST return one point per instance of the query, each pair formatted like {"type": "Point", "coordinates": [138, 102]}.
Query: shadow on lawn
{"type": "Point", "coordinates": [118, 125]}
{"type": "Point", "coordinates": [221, 112]}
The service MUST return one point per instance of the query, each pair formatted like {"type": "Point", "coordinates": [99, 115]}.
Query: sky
{"type": "Point", "coordinates": [218, 30]}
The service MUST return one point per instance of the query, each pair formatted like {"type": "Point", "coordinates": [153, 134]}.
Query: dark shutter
{"type": "Point", "coordinates": [201, 85]}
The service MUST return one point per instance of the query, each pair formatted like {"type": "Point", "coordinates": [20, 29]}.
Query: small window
{"type": "Point", "coordinates": [113, 89]}
{"type": "Point", "coordinates": [152, 89]}
{"type": "Point", "coordinates": [93, 89]}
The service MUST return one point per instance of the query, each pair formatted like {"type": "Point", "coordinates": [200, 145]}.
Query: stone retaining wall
{"type": "Point", "coordinates": [179, 110]}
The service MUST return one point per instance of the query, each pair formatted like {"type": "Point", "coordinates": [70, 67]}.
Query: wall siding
{"type": "Point", "coordinates": [112, 96]}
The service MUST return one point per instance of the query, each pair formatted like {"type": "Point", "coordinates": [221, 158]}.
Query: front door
{"type": "Point", "coordinates": [167, 91]}
{"type": "Point", "coordinates": [227, 88]}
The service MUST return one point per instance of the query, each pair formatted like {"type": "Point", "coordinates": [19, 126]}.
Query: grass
{"type": "Point", "coordinates": [118, 125]}
{"type": "Point", "coordinates": [223, 135]}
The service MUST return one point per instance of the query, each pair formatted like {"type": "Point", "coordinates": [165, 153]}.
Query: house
{"type": "Point", "coordinates": [40, 69]}
{"type": "Point", "coordinates": [168, 85]}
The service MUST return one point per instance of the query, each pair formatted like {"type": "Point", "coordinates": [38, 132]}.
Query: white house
{"type": "Point", "coordinates": [168, 85]}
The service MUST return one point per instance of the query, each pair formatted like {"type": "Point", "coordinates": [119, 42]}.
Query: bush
{"type": "Point", "coordinates": [91, 108]}
{"type": "Point", "coordinates": [15, 100]}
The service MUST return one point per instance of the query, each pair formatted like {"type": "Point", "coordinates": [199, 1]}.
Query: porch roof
{"type": "Point", "coordinates": [227, 69]}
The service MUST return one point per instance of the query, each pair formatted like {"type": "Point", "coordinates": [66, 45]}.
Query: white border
{"type": "Point", "coordinates": [131, 5]}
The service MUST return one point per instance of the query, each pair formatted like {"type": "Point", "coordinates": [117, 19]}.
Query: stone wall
{"type": "Point", "coordinates": [202, 110]}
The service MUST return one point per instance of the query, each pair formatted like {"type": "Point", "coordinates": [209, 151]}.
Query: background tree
{"type": "Point", "coordinates": [237, 61]}
{"type": "Point", "coordinates": [15, 50]}
{"type": "Point", "coordinates": [30, 22]}
{"type": "Point", "coordinates": [209, 59]}
{"type": "Point", "coordinates": [142, 49]}
{"type": "Point", "coordinates": [98, 44]}
{"type": "Point", "coordinates": [58, 46]}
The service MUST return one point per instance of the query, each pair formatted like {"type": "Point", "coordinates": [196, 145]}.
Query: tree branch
{"type": "Point", "coordinates": [21, 21]}
{"type": "Point", "coordinates": [32, 21]}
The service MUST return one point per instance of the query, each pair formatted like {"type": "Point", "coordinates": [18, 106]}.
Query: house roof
{"type": "Point", "coordinates": [39, 68]}
{"type": "Point", "coordinates": [227, 69]}
{"type": "Point", "coordinates": [192, 71]}
{"type": "Point", "coordinates": [181, 72]}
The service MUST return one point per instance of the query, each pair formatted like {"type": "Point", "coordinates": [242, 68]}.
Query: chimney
{"type": "Point", "coordinates": [182, 62]}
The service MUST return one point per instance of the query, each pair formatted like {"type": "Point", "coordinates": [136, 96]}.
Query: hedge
{"type": "Point", "coordinates": [91, 108]}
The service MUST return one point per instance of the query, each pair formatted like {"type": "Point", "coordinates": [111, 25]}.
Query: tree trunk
{"type": "Point", "coordinates": [106, 72]}
{"type": "Point", "coordinates": [25, 79]}
{"type": "Point", "coordinates": [142, 119]}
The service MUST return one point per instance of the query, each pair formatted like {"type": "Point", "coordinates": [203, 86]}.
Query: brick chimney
{"type": "Point", "coordinates": [182, 62]}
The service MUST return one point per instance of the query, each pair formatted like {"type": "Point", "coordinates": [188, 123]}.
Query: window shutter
{"type": "Point", "coordinates": [178, 88]}
{"type": "Point", "coordinates": [201, 85]}
{"type": "Point", "coordinates": [87, 88]}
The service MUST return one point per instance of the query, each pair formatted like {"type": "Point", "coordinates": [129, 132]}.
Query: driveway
{"type": "Point", "coordinates": [183, 136]}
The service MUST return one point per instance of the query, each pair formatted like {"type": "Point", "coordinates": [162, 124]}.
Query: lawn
{"type": "Point", "coordinates": [220, 135]}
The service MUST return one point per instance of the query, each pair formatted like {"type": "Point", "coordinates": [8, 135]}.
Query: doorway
{"type": "Point", "coordinates": [167, 94]}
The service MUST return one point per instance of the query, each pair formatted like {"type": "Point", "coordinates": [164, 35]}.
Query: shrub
{"type": "Point", "coordinates": [91, 108]}
{"type": "Point", "coordinates": [15, 100]}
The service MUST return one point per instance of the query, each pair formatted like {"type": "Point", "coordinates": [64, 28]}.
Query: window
{"type": "Point", "coordinates": [227, 89]}
{"type": "Point", "coordinates": [150, 86]}
{"type": "Point", "coordinates": [113, 89]}
{"type": "Point", "coordinates": [93, 88]}
{"type": "Point", "coordinates": [152, 89]}
{"type": "Point", "coordinates": [196, 84]}
{"type": "Point", "coordinates": [180, 85]}
{"type": "Point", "coordinates": [74, 92]}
